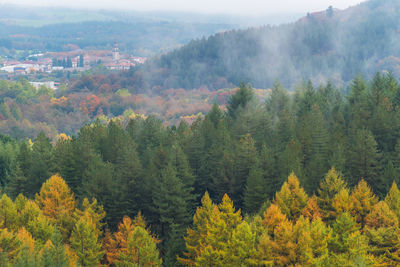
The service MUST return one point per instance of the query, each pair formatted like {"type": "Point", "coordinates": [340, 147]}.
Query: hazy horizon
{"type": "Point", "coordinates": [249, 7]}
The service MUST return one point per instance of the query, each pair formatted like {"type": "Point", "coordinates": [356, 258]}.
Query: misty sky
{"type": "Point", "coordinates": [248, 7]}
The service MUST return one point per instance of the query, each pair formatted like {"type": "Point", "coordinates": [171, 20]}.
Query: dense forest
{"type": "Point", "coordinates": [339, 205]}
{"type": "Point", "coordinates": [332, 44]}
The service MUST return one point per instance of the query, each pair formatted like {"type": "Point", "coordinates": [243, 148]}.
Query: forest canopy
{"type": "Point", "coordinates": [305, 178]}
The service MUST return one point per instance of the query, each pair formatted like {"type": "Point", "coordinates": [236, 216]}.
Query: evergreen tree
{"type": "Point", "coordinates": [57, 203]}
{"type": "Point", "coordinates": [393, 200]}
{"type": "Point", "coordinates": [255, 194]}
{"type": "Point", "coordinates": [328, 189]}
{"type": "Point", "coordinates": [291, 199]}
{"type": "Point", "coordinates": [17, 183]}
{"type": "Point", "coordinates": [85, 243]}
{"type": "Point", "coordinates": [170, 202]}
{"type": "Point", "coordinates": [364, 160]}
{"type": "Point", "coordinates": [245, 160]}
{"type": "Point", "coordinates": [43, 164]}
{"type": "Point", "coordinates": [363, 199]}
{"type": "Point", "coordinates": [239, 100]}
{"type": "Point", "coordinates": [54, 253]}
{"type": "Point", "coordinates": [141, 250]}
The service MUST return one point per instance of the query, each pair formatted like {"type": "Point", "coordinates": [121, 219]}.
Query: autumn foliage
{"type": "Point", "coordinates": [53, 231]}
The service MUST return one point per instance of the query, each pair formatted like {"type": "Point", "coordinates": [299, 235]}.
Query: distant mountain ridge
{"type": "Point", "coordinates": [330, 45]}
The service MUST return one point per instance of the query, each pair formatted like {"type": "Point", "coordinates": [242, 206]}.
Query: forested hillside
{"type": "Point", "coordinates": [247, 153]}
{"type": "Point", "coordinates": [331, 44]}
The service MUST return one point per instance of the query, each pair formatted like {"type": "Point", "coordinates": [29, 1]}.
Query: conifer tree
{"type": "Point", "coordinates": [255, 194]}
{"type": "Point", "coordinates": [42, 165]}
{"type": "Point", "coordinates": [54, 253]}
{"type": "Point", "coordinates": [239, 100]}
{"type": "Point", "coordinates": [388, 176]}
{"type": "Point", "coordinates": [268, 166]}
{"type": "Point", "coordinates": [10, 244]}
{"type": "Point", "coordinates": [245, 159]}
{"type": "Point", "coordinates": [196, 235]}
{"type": "Point", "coordinates": [348, 245]}
{"type": "Point", "coordinates": [17, 183]}
{"type": "Point", "coordinates": [363, 199]}
{"type": "Point", "coordinates": [290, 160]}
{"type": "Point", "coordinates": [342, 203]}
{"type": "Point", "coordinates": [85, 242]}
{"type": "Point", "coordinates": [363, 159]}
{"type": "Point", "coordinates": [312, 210]}
{"type": "Point", "coordinates": [274, 218]}
{"type": "Point", "coordinates": [93, 210]}
{"type": "Point", "coordinates": [184, 174]}
{"type": "Point", "coordinates": [128, 182]}
{"type": "Point", "coordinates": [383, 234]}
{"type": "Point", "coordinates": [141, 249]}
{"type": "Point", "coordinates": [291, 199]}
{"type": "Point", "coordinates": [170, 201]}
{"type": "Point", "coordinates": [8, 213]}
{"type": "Point", "coordinates": [57, 203]}
{"type": "Point", "coordinates": [241, 249]}
{"type": "Point", "coordinates": [393, 200]}
{"type": "Point", "coordinates": [328, 189]}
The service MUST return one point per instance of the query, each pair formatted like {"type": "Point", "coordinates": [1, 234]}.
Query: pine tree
{"type": "Point", "coordinates": [84, 241]}
{"type": "Point", "coordinates": [328, 189]}
{"type": "Point", "coordinates": [348, 245]}
{"type": "Point", "coordinates": [10, 244]}
{"type": "Point", "coordinates": [255, 194]}
{"type": "Point", "coordinates": [141, 250]}
{"type": "Point", "coordinates": [195, 236]}
{"type": "Point", "coordinates": [383, 234]}
{"type": "Point", "coordinates": [94, 211]}
{"type": "Point", "coordinates": [291, 199]}
{"type": "Point", "coordinates": [128, 181]}
{"type": "Point", "coordinates": [290, 160]}
{"type": "Point", "coordinates": [341, 203]}
{"type": "Point", "coordinates": [8, 213]}
{"type": "Point", "coordinates": [363, 159]}
{"type": "Point", "coordinates": [184, 174]}
{"type": "Point", "coordinates": [98, 183]}
{"type": "Point", "coordinates": [363, 199]}
{"type": "Point", "coordinates": [245, 160]}
{"type": "Point", "coordinates": [312, 210]}
{"type": "Point", "coordinates": [268, 166]}
{"type": "Point", "coordinates": [388, 176]}
{"type": "Point", "coordinates": [393, 200]}
{"type": "Point", "coordinates": [239, 100]}
{"type": "Point", "coordinates": [17, 183]}
{"type": "Point", "coordinates": [170, 202]}
{"type": "Point", "coordinates": [57, 203]}
{"type": "Point", "coordinates": [42, 165]}
{"type": "Point", "coordinates": [54, 253]}
{"type": "Point", "coordinates": [241, 249]}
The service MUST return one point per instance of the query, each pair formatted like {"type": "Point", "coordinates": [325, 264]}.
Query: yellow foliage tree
{"type": "Point", "coordinates": [341, 203]}
{"type": "Point", "coordinates": [273, 218]}
{"type": "Point", "coordinates": [393, 199]}
{"type": "Point", "coordinates": [10, 244]}
{"type": "Point", "coordinates": [363, 199]}
{"type": "Point", "coordinates": [94, 211]}
{"type": "Point", "coordinates": [8, 213]}
{"type": "Point", "coordinates": [328, 189]}
{"type": "Point", "coordinates": [382, 230]}
{"type": "Point", "coordinates": [291, 199]}
{"type": "Point", "coordinates": [312, 210]}
{"type": "Point", "coordinates": [116, 244]}
{"type": "Point", "coordinates": [57, 202]}
{"type": "Point", "coordinates": [198, 233]}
